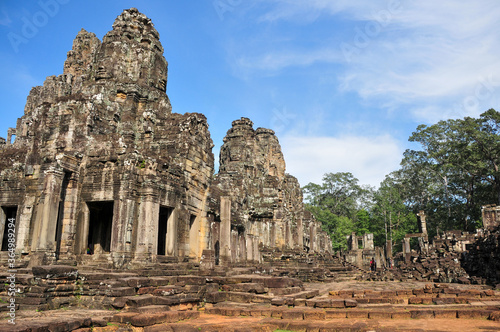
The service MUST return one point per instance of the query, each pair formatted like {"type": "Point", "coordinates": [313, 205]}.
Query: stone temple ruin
{"type": "Point", "coordinates": [120, 219]}
{"type": "Point", "coordinates": [102, 171]}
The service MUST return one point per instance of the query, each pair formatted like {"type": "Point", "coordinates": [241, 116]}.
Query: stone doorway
{"type": "Point", "coordinates": [8, 212]}
{"type": "Point", "coordinates": [163, 219]}
{"type": "Point", "coordinates": [100, 223]}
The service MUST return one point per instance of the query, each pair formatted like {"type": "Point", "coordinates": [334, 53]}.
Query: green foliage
{"type": "Point", "coordinates": [336, 204]}
{"type": "Point", "coordinates": [455, 172]}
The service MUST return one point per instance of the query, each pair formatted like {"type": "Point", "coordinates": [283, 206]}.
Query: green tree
{"type": "Point", "coordinates": [455, 171]}
{"type": "Point", "coordinates": [392, 217]}
{"type": "Point", "coordinates": [338, 204]}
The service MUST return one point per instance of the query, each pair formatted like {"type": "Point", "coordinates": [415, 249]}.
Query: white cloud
{"type": "Point", "coordinates": [278, 60]}
{"type": "Point", "coordinates": [421, 57]}
{"type": "Point", "coordinates": [368, 158]}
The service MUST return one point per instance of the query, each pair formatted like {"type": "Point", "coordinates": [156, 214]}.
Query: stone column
{"type": "Point", "coordinates": [406, 246]}
{"type": "Point", "coordinates": [172, 232]}
{"type": "Point", "coordinates": [312, 238]}
{"type": "Point", "coordinates": [300, 231]}
{"type": "Point", "coordinates": [354, 242]}
{"type": "Point", "coordinates": [288, 235]}
{"type": "Point", "coordinates": [423, 223]}
{"type": "Point", "coordinates": [272, 234]}
{"type": "Point", "coordinates": [46, 215]}
{"type": "Point", "coordinates": [368, 241]}
{"type": "Point", "coordinates": [194, 235]}
{"type": "Point", "coordinates": [82, 229]}
{"type": "Point", "coordinates": [147, 225]}
{"type": "Point", "coordinates": [203, 235]}
{"type": "Point", "coordinates": [249, 247]}
{"type": "Point", "coordinates": [225, 229]}
{"type": "Point", "coordinates": [388, 248]}
{"type": "Point", "coordinates": [256, 251]}
{"type": "Point", "coordinates": [68, 222]}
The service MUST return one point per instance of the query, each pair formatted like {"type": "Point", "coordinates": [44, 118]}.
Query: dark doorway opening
{"type": "Point", "coordinates": [10, 213]}
{"type": "Point", "coordinates": [217, 253]}
{"type": "Point", "coordinates": [60, 213]}
{"type": "Point", "coordinates": [165, 213]}
{"type": "Point", "coordinates": [100, 222]}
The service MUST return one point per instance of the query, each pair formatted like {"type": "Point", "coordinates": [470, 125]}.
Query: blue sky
{"type": "Point", "coordinates": [343, 83]}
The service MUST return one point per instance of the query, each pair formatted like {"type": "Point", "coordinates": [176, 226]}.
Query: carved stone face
{"type": "Point", "coordinates": [132, 53]}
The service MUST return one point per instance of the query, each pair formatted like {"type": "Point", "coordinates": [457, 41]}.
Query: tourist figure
{"type": "Point", "coordinates": [372, 264]}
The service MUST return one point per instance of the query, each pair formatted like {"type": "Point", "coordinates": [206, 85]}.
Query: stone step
{"type": "Point", "coordinates": [357, 313]}
{"type": "Point", "coordinates": [138, 319]}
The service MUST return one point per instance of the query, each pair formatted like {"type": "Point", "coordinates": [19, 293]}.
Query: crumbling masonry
{"type": "Point", "coordinates": [102, 171]}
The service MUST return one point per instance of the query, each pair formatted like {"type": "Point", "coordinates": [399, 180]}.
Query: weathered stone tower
{"type": "Point", "coordinates": [101, 170]}
{"type": "Point", "coordinates": [264, 205]}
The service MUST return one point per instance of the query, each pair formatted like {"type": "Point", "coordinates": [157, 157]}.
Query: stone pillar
{"type": "Point", "coordinates": [423, 223]}
{"type": "Point", "coordinates": [203, 235]}
{"type": "Point", "coordinates": [68, 222]}
{"type": "Point", "coordinates": [312, 238]}
{"type": "Point", "coordinates": [406, 246]}
{"type": "Point", "coordinates": [82, 229]}
{"type": "Point", "coordinates": [288, 235]}
{"type": "Point", "coordinates": [147, 225]}
{"type": "Point", "coordinates": [194, 232]}
{"type": "Point", "coordinates": [300, 232]}
{"type": "Point", "coordinates": [249, 247]}
{"type": "Point", "coordinates": [172, 232]}
{"type": "Point", "coordinates": [272, 234]}
{"type": "Point", "coordinates": [368, 241]}
{"type": "Point", "coordinates": [225, 229]}
{"type": "Point", "coordinates": [46, 215]}
{"type": "Point", "coordinates": [256, 251]}
{"type": "Point", "coordinates": [388, 248]}
{"type": "Point", "coordinates": [354, 242]}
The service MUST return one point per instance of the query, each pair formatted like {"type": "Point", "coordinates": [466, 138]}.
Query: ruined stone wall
{"type": "Point", "coordinates": [101, 141]}
{"type": "Point", "coordinates": [491, 216]}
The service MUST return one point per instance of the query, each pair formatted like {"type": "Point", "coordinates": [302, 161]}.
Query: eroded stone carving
{"type": "Point", "coordinates": [102, 170]}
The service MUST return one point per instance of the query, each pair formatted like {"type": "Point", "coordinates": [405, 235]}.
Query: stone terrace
{"type": "Point", "coordinates": [181, 297]}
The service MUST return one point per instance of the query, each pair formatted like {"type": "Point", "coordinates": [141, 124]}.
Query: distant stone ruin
{"type": "Point", "coordinates": [102, 172]}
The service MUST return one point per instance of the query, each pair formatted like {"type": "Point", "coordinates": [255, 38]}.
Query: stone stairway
{"type": "Point", "coordinates": [180, 296]}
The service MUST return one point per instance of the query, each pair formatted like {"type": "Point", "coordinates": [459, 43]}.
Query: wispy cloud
{"type": "Point", "coordinates": [4, 18]}
{"type": "Point", "coordinates": [425, 58]}
{"type": "Point", "coordinates": [368, 158]}
{"type": "Point", "coordinates": [278, 60]}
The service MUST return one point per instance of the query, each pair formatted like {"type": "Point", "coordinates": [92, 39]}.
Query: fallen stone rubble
{"type": "Point", "coordinates": [483, 258]}
{"type": "Point", "coordinates": [455, 257]}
